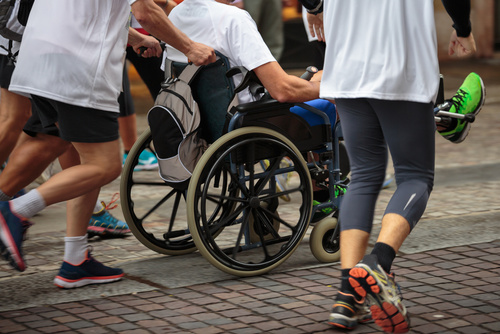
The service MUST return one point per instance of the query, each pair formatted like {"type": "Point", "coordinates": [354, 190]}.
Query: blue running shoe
{"type": "Point", "coordinates": [11, 237]}
{"type": "Point", "coordinates": [88, 272]}
{"type": "Point", "coordinates": [102, 223]}
{"type": "Point", "coordinates": [147, 161]}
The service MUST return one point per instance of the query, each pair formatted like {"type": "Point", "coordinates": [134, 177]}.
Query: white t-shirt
{"type": "Point", "coordinates": [227, 29]}
{"type": "Point", "coordinates": [383, 49]}
{"type": "Point", "coordinates": [73, 52]}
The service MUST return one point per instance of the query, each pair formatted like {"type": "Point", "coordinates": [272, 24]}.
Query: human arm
{"type": "Point", "coordinates": [154, 20]}
{"type": "Point", "coordinates": [315, 23]}
{"type": "Point", "coordinates": [166, 5]}
{"type": "Point", "coordinates": [137, 40]}
{"type": "Point", "coordinates": [284, 87]}
{"type": "Point", "coordinates": [462, 40]}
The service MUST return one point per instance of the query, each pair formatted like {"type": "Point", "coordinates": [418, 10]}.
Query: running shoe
{"type": "Point", "coordinates": [90, 271]}
{"type": "Point", "coordinates": [147, 161]}
{"type": "Point", "coordinates": [370, 281]}
{"type": "Point", "coordinates": [469, 99]}
{"type": "Point", "coordinates": [11, 237]}
{"type": "Point", "coordinates": [102, 223]}
{"type": "Point", "coordinates": [347, 312]}
{"type": "Point", "coordinates": [388, 180]}
{"type": "Point", "coordinates": [325, 212]}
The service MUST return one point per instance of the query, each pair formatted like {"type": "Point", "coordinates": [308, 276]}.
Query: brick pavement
{"type": "Point", "coordinates": [448, 290]}
{"type": "Point", "coordinates": [454, 290]}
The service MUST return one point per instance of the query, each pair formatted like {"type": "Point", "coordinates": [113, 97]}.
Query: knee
{"type": "Point", "coordinates": [112, 171]}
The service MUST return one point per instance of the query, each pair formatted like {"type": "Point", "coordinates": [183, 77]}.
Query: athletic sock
{"type": "Point", "coordinates": [4, 197]}
{"type": "Point", "coordinates": [29, 204]}
{"type": "Point", "coordinates": [345, 286]}
{"type": "Point", "coordinates": [98, 207]}
{"type": "Point", "coordinates": [75, 249]}
{"type": "Point", "coordinates": [385, 255]}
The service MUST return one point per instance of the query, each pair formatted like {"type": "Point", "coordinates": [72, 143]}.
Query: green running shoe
{"type": "Point", "coordinates": [469, 99]}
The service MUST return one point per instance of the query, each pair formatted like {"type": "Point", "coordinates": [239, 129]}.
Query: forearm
{"type": "Point", "coordinates": [284, 87]}
{"type": "Point", "coordinates": [154, 20]}
{"type": "Point", "coordinates": [459, 11]}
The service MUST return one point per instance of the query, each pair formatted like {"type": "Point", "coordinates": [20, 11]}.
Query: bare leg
{"type": "Point", "coordinates": [395, 229]}
{"type": "Point", "coordinates": [28, 160]}
{"type": "Point", "coordinates": [128, 130]}
{"type": "Point", "coordinates": [90, 175]}
{"type": "Point", "coordinates": [353, 244]}
{"type": "Point", "coordinates": [14, 112]}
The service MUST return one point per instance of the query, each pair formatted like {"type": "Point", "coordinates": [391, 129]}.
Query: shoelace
{"type": "Point", "coordinates": [114, 198]}
{"type": "Point", "coordinates": [458, 99]}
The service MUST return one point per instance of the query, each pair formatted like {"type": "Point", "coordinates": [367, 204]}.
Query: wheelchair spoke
{"type": "Point", "coordinates": [157, 205]}
{"type": "Point", "coordinates": [270, 173]}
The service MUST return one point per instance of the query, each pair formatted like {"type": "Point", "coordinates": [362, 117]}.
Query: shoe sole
{"type": "Point", "coordinates": [385, 314]}
{"type": "Point", "coordinates": [145, 167]}
{"type": "Point", "coordinates": [465, 133]}
{"type": "Point", "coordinates": [101, 231]}
{"type": "Point", "coordinates": [63, 283]}
{"type": "Point", "coordinates": [8, 247]}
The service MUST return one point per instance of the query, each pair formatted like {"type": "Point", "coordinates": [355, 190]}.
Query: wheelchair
{"type": "Point", "coordinates": [231, 209]}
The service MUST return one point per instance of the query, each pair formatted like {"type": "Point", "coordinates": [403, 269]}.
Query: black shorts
{"type": "Point", "coordinates": [6, 69]}
{"type": "Point", "coordinates": [74, 123]}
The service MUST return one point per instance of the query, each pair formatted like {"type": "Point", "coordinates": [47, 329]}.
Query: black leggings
{"type": "Point", "coordinates": [369, 126]}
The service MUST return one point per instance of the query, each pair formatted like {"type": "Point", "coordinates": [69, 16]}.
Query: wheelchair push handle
{"type": "Point", "coordinates": [309, 73]}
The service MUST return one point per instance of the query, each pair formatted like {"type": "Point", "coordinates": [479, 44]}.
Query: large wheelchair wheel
{"type": "Point", "coordinates": [151, 207]}
{"type": "Point", "coordinates": [259, 233]}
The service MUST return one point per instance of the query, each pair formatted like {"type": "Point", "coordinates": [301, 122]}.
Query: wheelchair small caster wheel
{"type": "Point", "coordinates": [324, 240]}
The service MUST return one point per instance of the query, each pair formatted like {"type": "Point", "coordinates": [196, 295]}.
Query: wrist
{"type": "Point", "coordinates": [318, 9]}
{"type": "Point", "coordinates": [463, 31]}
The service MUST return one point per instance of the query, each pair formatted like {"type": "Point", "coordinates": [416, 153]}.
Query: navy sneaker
{"type": "Point", "coordinates": [11, 237]}
{"type": "Point", "coordinates": [88, 272]}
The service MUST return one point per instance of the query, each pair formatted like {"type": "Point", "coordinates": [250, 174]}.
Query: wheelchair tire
{"type": "Point", "coordinates": [235, 250]}
{"type": "Point", "coordinates": [324, 240]}
{"type": "Point", "coordinates": [151, 215]}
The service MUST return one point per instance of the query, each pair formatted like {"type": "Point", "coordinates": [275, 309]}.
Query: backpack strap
{"type": "Point", "coordinates": [187, 75]}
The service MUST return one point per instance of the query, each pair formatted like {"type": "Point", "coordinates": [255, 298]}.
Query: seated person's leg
{"type": "Point", "coordinates": [469, 99]}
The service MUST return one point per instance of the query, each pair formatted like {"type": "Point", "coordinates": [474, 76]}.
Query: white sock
{"type": "Point", "coordinates": [98, 206]}
{"type": "Point", "coordinates": [75, 249]}
{"type": "Point", "coordinates": [4, 197]}
{"type": "Point", "coordinates": [28, 205]}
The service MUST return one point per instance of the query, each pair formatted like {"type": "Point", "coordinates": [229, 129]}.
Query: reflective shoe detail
{"type": "Point", "coordinates": [88, 272]}
{"type": "Point", "coordinates": [382, 294]}
{"type": "Point", "coordinates": [11, 237]}
{"type": "Point", "coordinates": [103, 223]}
{"type": "Point", "coordinates": [147, 161]}
{"type": "Point", "coordinates": [347, 312]}
{"type": "Point", "coordinates": [469, 99]}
